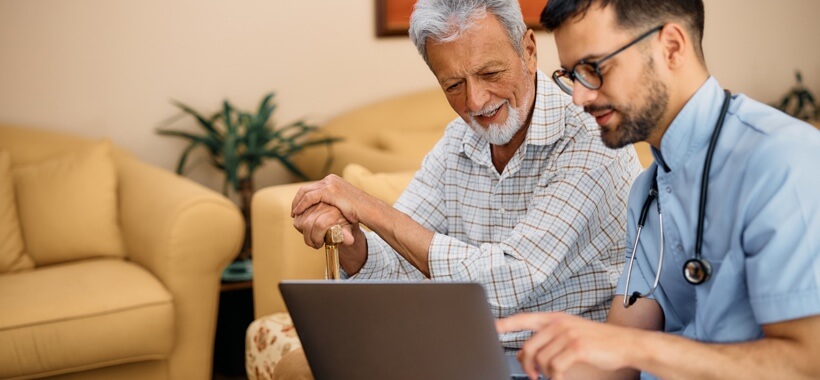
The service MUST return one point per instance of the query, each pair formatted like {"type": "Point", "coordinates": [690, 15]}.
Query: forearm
{"type": "Point", "coordinates": [672, 357]}
{"type": "Point", "coordinates": [410, 239]}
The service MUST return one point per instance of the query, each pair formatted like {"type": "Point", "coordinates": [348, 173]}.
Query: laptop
{"type": "Point", "coordinates": [397, 330]}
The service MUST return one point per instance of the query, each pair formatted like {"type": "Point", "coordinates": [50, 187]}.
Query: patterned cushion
{"type": "Point", "coordinates": [267, 340]}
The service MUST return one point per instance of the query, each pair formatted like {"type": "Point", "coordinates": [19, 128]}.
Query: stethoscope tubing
{"type": "Point", "coordinates": [653, 193]}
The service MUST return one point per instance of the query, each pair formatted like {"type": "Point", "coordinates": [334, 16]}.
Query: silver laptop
{"type": "Point", "coordinates": [397, 330]}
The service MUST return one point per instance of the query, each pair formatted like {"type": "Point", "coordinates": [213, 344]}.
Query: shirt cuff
{"type": "Point", "coordinates": [440, 257]}
{"type": "Point", "coordinates": [377, 259]}
{"type": "Point", "coordinates": [786, 307]}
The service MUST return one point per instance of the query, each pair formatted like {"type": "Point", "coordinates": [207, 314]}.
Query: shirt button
{"type": "Point", "coordinates": [668, 189]}
{"type": "Point", "coordinates": [679, 247]}
{"type": "Point", "coordinates": [501, 210]}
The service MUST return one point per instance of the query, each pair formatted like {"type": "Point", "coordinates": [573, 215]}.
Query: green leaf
{"type": "Point", "coordinates": [184, 157]}
{"type": "Point", "coordinates": [239, 142]}
{"type": "Point", "coordinates": [292, 168]}
{"type": "Point", "coordinates": [205, 123]}
{"type": "Point", "coordinates": [265, 109]}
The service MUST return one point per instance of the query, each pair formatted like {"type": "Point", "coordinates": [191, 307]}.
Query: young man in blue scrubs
{"type": "Point", "coordinates": [741, 298]}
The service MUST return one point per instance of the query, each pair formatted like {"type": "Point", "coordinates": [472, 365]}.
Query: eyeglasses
{"type": "Point", "coordinates": [589, 73]}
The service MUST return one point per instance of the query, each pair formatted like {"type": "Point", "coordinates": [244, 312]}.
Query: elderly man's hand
{"type": "Point", "coordinates": [314, 222]}
{"type": "Point", "coordinates": [334, 191]}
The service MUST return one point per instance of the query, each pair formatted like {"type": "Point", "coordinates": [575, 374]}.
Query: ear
{"type": "Point", "coordinates": [676, 45]}
{"type": "Point", "coordinates": [530, 51]}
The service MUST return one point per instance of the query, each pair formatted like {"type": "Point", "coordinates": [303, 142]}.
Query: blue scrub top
{"type": "Point", "coordinates": [762, 223]}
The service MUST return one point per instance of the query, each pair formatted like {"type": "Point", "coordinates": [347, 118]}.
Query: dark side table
{"type": "Point", "coordinates": [235, 314]}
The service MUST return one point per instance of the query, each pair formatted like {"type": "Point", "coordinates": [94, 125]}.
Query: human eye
{"type": "Point", "coordinates": [492, 74]}
{"type": "Point", "coordinates": [452, 87]}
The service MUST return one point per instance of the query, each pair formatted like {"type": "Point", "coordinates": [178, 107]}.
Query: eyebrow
{"type": "Point", "coordinates": [480, 69]}
{"type": "Point", "coordinates": [587, 58]}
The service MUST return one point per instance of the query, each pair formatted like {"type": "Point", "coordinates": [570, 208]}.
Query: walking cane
{"type": "Point", "coordinates": [333, 237]}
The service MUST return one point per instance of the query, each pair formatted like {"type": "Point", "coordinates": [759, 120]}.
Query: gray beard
{"type": "Point", "coordinates": [499, 134]}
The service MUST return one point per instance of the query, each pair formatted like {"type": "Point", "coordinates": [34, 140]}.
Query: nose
{"type": "Point", "coordinates": [477, 96]}
{"type": "Point", "coordinates": [581, 95]}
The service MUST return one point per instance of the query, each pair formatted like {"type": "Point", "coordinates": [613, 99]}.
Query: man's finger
{"type": "Point", "coordinates": [301, 193]}
{"type": "Point", "coordinates": [523, 321]}
{"type": "Point", "coordinates": [347, 232]}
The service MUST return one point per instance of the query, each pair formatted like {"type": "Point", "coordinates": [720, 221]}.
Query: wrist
{"type": "Point", "coordinates": [374, 213]}
{"type": "Point", "coordinates": [642, 347]}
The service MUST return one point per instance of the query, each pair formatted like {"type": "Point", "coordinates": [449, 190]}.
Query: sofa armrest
{"type": "Point", "coordinates": [279, 251]}
{"type": "Point", "coordinates": [185, 234]}
{"type": "Point", "coordinates": [173, 226]}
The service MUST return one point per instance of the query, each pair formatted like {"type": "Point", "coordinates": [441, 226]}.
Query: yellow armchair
{"type": "Point", "coordinates": [148, 311]}
{"type": "Point", "coordinates": [389, 138]}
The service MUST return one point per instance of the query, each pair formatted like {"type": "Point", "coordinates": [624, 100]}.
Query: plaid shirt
{"type": "Point", "coordinates": [547, 234]}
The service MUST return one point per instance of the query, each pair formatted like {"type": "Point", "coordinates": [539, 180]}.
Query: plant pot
{"type": "Point", "coordinates": [239, 270]}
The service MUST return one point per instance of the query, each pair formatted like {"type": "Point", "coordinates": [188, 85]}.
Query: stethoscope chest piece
{"type": "Point", "coordinates": [697, 271]}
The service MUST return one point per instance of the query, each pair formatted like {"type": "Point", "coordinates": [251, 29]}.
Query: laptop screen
{"type": "Point", "coordinates": [395, 330]}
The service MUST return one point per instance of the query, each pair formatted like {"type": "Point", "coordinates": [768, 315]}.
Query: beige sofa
{"type": "Point", "coordinates": [279, 250]}
{"type": "Point", "coordinates": [381, 161]}
{"type": "Point", "coordinates": [109, 267]}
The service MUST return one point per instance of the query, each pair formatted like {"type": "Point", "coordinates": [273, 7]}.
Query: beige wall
{"type": "Point", "coordinates": [109, 67]}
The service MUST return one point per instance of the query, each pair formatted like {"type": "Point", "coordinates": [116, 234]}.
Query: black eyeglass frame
{"type": "Point", "coordinates": [596, 65]}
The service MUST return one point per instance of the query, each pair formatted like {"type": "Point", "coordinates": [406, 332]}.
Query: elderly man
{"type": "Point", "coordinates": [725, 225]}
{"type": "Point", "coordinates": [519, 195]}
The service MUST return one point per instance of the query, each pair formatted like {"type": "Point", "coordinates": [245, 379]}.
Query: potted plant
{"type": "Point", "coordinates": [238, 143]}
{"type": "Point", "coordinates": [799, 102]}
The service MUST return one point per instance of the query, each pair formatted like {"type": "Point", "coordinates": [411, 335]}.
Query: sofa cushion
{"type": "Point", "coordinates": [385, 186]}
{"type": "Point", "coordinates": [12, 255]}
{"type": "Point", "coordinates": [409, 143]}
{"type": "Point", "coordinates": [82, 315]}
{"type": "Point", "coordinates": [68, 206]}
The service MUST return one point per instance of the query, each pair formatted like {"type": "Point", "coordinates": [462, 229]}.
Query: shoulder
{"type": "Point", "coordinates": [453, 137]}
{"type": "Point", "coordinates": [771, 138]}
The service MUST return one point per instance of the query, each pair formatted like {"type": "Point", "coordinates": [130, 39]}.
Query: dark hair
{"type": "Point", "coordinates": [633, 14]}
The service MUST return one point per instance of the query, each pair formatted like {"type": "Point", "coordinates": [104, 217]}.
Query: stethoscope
{"type": "Point", "coordinates": [698, 269]}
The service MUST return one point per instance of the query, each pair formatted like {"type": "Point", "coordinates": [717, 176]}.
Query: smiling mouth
{"type": "Point", "coordinates": [492, 112]}
{"type": "Point", "coordinates": [487, 115]}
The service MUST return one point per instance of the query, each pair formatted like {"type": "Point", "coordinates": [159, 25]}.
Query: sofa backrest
{"type": "Point", "coordinates": [29, 145]}
{"type": "Point", "coordinates": [426, 110]}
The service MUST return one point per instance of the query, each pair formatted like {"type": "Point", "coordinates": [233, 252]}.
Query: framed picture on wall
{"type": "Point", "coordinates": [393, 16]}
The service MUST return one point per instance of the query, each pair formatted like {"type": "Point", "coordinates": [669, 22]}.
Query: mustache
{"type": "Point", "coordinates": [488, 109]}
{"type": "Point", "coordinates": [594, 108]}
